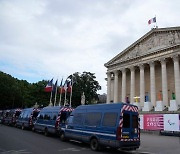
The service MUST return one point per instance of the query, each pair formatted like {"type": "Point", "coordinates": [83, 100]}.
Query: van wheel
{"type": "Point", "coordinates": [22, 127]}
{"type": "Point", "coordinates": [46, 132]}
{"type": "Point", "coordinates": [33, 129]}
{"type": "Point", "coordinates": [62, 136]}
{"type": "Point", "coordinates": [94, 144]}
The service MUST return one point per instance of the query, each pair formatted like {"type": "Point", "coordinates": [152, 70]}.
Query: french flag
{"type": "Point", "coordinates": [49, 86]}
{"type": "Point", "coordinates": [69, 87]}
{"type": "Point", "coordinates": [153, 20]}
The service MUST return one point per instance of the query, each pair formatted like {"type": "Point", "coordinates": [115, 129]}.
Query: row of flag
{"type": "Point", "coordinates": [62, 88]}
{"type": "Point", "coordinates": [66, 87]}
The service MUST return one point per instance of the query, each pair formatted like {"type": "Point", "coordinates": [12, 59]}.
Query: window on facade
{"type": "Point", "coordinates": [110, 119]}
{"type": "Point", "coordinates": [78, 119]}
{"type": "Point", "coordinates": [126, 120]}
{"type": "Point", "coordinates": [93, 119]}
{"type": "Point", "coordinates": [135, 121]}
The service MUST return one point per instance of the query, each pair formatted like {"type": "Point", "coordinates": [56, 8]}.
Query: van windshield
{"type": "Point", "coordinates": [70, 119]}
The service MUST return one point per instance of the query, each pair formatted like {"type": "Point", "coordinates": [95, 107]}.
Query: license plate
{"type": "Point", "coordinates": [125, 136]}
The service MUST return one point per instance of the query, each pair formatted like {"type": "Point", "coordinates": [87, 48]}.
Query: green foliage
{"type": "Point", "coordinates": [85, 82]}
{"type": "Point", "coordinates": [19, 93]}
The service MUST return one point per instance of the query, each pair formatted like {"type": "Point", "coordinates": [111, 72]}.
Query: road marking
{"type": "Point", "coordinates": [73, 149]}
{"type": "Point", "coordinates": [15, 152]}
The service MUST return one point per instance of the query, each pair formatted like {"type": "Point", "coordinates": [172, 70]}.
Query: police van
{"type": "Point", "coordinates": [104, 125]}
{"type": "Point", "coordinates": [50, 117]}
{"type": "Point", "coordinates": [11, 116]}
{"type": "Point", "coordinates": [27, 118]}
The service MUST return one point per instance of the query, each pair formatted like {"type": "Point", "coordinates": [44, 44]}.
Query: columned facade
{"type": "Point", "coordinates": [177, 78]}
{"type": "Point", "coordinates": [147, 71]}
{"type": "Point", "coordinates": [152, 83]}
{"type": "Point", "coordinates": [123, 98]}
{"type": "Point", "coordinates": [115, 86]}
{"type": "Point", "coordinates": [108, 87]}
{"type": "Point", "coordinates": [164, 82]}
{"type": "Point", "coordinates": [132, 92]}
{"type": "Point", "coordinates": [142, 92]}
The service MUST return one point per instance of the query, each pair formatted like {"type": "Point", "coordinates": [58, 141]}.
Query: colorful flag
{"type": "Point", "coordinates": [55, 86]}
{"type": "Point", "coordinates": [153, 20]}
{"type": "Point", "coordinates": [65, 85]}
{"type": "Point", "coordinates": [49, 86]}
{"type": "Point", "coordinates": [61, 89]}
{"type": "Point", "coordinates": [69, 86]}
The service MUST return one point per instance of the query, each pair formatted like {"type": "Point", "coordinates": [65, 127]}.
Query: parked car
{"type": "Point", "coordinates": [11, 116]}
{"type": "Point", "coordinates": [49, 119]}
{"type": "Point", "coordinates": [104, 125]}
{"type": "Point", "coordinates": [27, 118]}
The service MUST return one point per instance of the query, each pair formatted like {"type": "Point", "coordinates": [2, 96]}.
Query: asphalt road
{"type": "Point", "coordinates": [17, 141]}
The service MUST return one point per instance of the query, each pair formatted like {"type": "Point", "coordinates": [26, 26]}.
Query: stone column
{"type": "Point", "coordinates": [132, 92]}
{"type": "Point", "coordinates": [164, 82]}
{"type": "Point", "coordinates": [142, 92]}
{"type": "Point", "coordinates": [108, 87]}
{"type": "Point", "coordinates": [115, 86]}
{"type": "Point", "coordinates": [123, 99]}
{"type": "Point", "coordinates": [152, 83]}
{"type": "Point", "coordinates": [177, 79]}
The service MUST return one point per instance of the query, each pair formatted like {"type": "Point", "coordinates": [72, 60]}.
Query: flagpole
{"type": "Point", "coordinates": [55, 95]}
{"type": "Point", "coordinates": [65, 98]}
{"type": "Point", "coordinates": [50, 102]}
{"type": "Point", "coordinates": [71, 92]}
{"type": "Point", "coordinates": [60, 92]}
{"type": "Point", "coordinates": [60, 97]}
{"type": "Point", "coordinates": [156, 22]}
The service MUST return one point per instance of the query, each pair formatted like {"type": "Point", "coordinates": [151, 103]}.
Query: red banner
{"type": "Point", "coordinates": [153, 122]}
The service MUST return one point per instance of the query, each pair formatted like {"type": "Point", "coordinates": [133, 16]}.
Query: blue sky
{"type": "Point", "coordinates": [41, 39]}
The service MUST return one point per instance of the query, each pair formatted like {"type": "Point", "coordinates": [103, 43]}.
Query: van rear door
{"type": "Point", "coordinates": [130, 126]}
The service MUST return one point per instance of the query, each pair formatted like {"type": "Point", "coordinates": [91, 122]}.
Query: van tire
{"type": "Point", "coordinates": [46, 133]}
{"type": "Point", "coordinates": [94, 144]}
{"type": "Point", "coordinates": [22, 127]}
{"type": "Point", "coordinates": [62, 136]}
{"type": "Point", "coordinates": [33, 129]}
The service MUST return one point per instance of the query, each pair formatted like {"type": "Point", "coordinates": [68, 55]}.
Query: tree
{"type": "Point", "coordinates": [85, 82]}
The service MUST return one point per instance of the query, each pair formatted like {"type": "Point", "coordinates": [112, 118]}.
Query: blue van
{"type": "Point", "coordinates": [27, 118]}
{"type": "Point", "coordinates": [11, 116]}
{"type": "Point", "coordinates": [50, 117]}
{"type": "Point", "coordinates": [104, 125]}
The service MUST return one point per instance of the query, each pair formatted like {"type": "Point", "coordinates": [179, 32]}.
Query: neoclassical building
{"type": "Point", "coordinates": [149, 70]}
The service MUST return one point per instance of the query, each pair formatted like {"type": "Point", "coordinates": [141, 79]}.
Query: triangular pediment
{"type": "Point", "coordinates": [154, 40]}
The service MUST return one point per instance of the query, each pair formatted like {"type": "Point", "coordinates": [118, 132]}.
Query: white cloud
{"type": "Point", "coordinates": [44, 39]}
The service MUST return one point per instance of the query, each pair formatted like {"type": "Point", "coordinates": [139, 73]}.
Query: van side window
{"type": "Point", "coordinates": [54, 116]}
{"type": "Point", "coordinates": [126, 120]}
{"type": "Point", "coordinates": [110, 119]}
{"type": "Point", "coordinates": [47, 116]}
{"type": "Point", "coordinates": [78, 119]}
{"type": "Point", "coordinates": [93, 119]}
{"type": "Point", "coordinates": [41, 116]}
